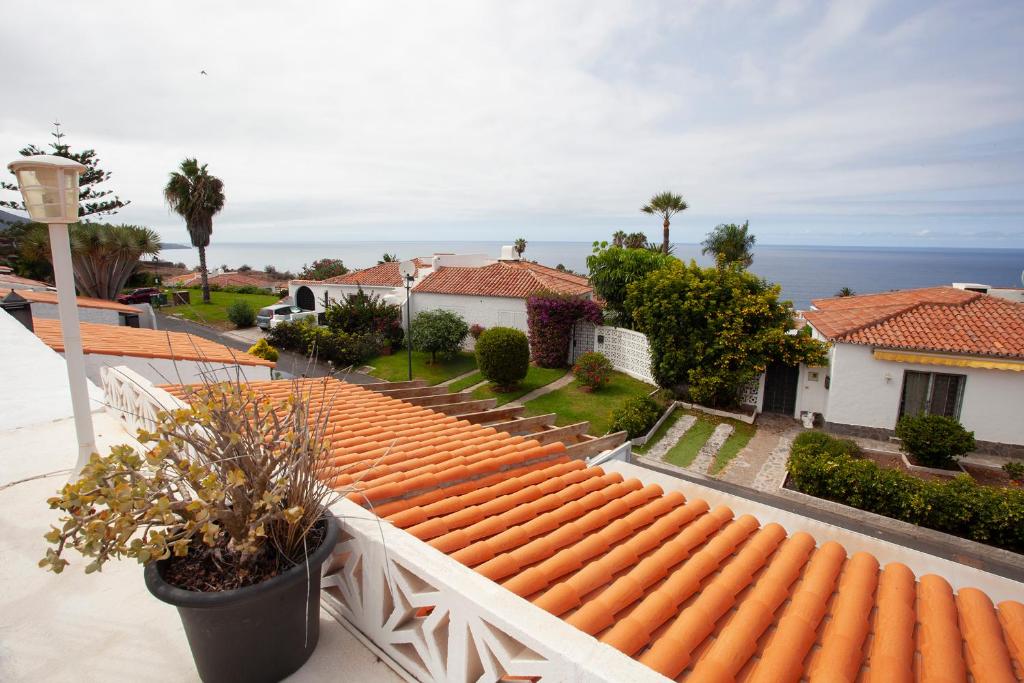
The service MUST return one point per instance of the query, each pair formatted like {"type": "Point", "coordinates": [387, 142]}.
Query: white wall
{"type": "Point", "coordinates": [166, 371]}
{"type": "Point", "coordinates": [336, 292]}
{"type": "Point", "coordinates": [35, 381]}
{"type": "Point", "coordinates": [811, 395]}
{"type": "Point", "coordinates": [861, 394]}
{"type": "Point", "coordinates": [489, 311]}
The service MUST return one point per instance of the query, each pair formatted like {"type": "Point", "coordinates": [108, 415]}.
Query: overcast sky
{"type": "Point", "coordinates": [823, 123]}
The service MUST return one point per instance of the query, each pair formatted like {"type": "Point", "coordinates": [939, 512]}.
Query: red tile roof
{"type": "Point", "coordinates": [115, 340]}
{"type": "Point", "coordinates": [690, 591]}
{"type": "Point", "coordinates": [515, 279]}
{"type": "Point", "coordinates": [83, 301]}
{"type": "Point", "coordinates": [226, 280]}
{"type": "Point", "coordinates": [934, 319]}
{"type": "Point", "coordinates": [380, 275]}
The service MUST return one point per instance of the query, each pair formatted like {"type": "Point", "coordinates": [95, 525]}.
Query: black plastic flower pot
{"type": "Point", "coordinates": [258, 633]}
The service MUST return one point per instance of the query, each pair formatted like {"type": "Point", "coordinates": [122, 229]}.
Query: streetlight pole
{"type": "Point", "coordinates": [49, 186]}
{"type": "Point", "coordinates": [408, 321]}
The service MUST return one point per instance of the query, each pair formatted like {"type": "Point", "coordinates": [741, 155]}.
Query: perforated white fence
{"type": "Point", "coordinates": [628, 350]}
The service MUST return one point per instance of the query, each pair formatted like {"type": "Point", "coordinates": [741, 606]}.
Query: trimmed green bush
{"type": "Point", "coordinates": [327, 345]}
{"type": "Point", "coordinates": [1014, 470]}
{"type": "Point", "coordinates": [934, 440]}
{"type": "Point", "coordinates": [290, 336]}
{"type": "Point", "coordinates": [636, 416]}
{"type": "Point", "coordinates": [593, 369]}
{"type": "Point", "coordinates": [503, 356]}
{"type": "Point", "coordinates": [831, 469]}
{"type": "Point", "coordinates": [439, 332]}
{"type": "Point", "coordinates": [262, 349]}
{"type": "Point", "coordinates": [241, 313]}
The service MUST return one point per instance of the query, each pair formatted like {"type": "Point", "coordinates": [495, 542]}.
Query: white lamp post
{"type": "Point", "coordinates": [49, 186]}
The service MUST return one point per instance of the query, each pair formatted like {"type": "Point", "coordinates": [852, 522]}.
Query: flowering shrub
{"type": "Point", "coordinates": [262, 349]}
{"type": "Point", "coordinates": [476, 329]}
{"type": "Point", "coordinates": [593, 369]}
{"type": "Point", "coordinates": [551, 317]}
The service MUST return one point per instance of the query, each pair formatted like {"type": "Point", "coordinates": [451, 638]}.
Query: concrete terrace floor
{"type": "Point", "coordinates": [103, 626]}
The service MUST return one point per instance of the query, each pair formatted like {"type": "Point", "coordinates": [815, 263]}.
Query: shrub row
{"type": "Point", "coordinates": [339, 348]}
{"type": "Point", "coordinates": [830, 468]}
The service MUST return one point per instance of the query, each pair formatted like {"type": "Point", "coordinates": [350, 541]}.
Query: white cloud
{"type": "Point", "coordinates": [347, 115]}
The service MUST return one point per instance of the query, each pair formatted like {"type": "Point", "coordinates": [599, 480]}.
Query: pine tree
{"type": "Point", "coordinates": [93, 201]}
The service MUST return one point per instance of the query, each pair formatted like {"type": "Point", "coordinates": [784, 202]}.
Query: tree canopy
{"type": "Point", "coordinates": [93, 201]}
{"type": "Point", "coordinates": [439, 332]}
{"type": "Point", "coordinates": [103, 256]}
{"type": "Point", "coordinates": [321, 269]}
{"type": "Point", "coordinates": [731, 244]}
{"type": "Point", "coordinates": [613, 269]}
{"type": "Point", "coordinates": [666, 205]}
{"type": "Point", "coordinates": [195, 195]}
{"type": "Point", "coordinates": [712, 330]}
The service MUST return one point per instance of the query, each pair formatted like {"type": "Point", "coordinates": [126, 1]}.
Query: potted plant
{"type": "Point", "coordinates": [226, 507]}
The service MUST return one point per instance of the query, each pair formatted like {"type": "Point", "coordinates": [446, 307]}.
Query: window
{"type": "Point", "coordinates": [933, 393]}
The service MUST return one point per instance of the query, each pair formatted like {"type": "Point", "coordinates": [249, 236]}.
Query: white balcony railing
{"type": "Point", "coordinates": [133, 399]}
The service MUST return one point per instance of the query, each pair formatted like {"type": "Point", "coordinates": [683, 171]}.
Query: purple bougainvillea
{"type": "Point", "coordinates": [551, 317]}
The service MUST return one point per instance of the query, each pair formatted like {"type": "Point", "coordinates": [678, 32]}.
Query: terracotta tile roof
{"type": "Point", "coordinates": [114, 340]}
{"type": "Point", "coordinates": [380, 275]}
{"type": "Point", "coordinates": [10, 280]}
{"type": "Point", "coordinates": [83, 301]}
{"type": "Point", "coordinates": [516, 279]}
{"type": "Point", "coordinates": [693, 592]}
{"type": "Point", "coordinates": [226, 280]}
{"type": "Point", "coordinates": [933, 319]}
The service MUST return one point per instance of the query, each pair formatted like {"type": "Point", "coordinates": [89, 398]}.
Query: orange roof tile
{"type": "Point", "coordinates": [380, 275]}
{"type": "Point", "coordinates": [226, 280]}
{"type": "Point", "coordinates": [692, 592]}
{"type": "Point", "coordinates": [116, 340]}
{"type": "Point", "coordinates": [49, 297]}
{"type": "Point", "coordinates": [933, 319]}
{"type": "Point", "coordinates": [515, 279]}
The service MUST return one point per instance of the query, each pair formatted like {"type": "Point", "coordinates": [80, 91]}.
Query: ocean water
{"type": "Point", "coordinates": [804, 272]}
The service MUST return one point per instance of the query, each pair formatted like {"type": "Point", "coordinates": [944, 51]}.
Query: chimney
{"type": "Point", "coordinates": [19, 308]}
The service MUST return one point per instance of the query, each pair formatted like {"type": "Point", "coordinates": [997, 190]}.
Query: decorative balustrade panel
{"type": "Point", "coordinates": [750, 394]}
{"type": "Point", "coordinates": [628, 350]}
{"type": "Point", "coordinates": [441, 621]}
{"type": "Point", "coordinates": [133, 399]}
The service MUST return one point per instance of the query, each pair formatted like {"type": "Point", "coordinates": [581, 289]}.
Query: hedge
{"type": "Point", "coordinates": [503, 356]}
{"type": "Point", "coordinates": [340, 348]}
{"type": "Point", "coordinates": [829, 468]}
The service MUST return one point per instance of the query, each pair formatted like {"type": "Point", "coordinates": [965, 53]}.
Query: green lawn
{"type": "Point", "coordinates": [658, 435]}
{"type": "Point", "coordinates": [215, 312]}
{"type": "Point", "coordinates": [466, 382]}
{"type": "Point", "coordinates": [395, 368]}
{"type": "Point", "coordinates": [689, 445]}
{"type": "Point", "coordinates": [535, 379]}
{"type": "Point", "coordinates": [571, 404]}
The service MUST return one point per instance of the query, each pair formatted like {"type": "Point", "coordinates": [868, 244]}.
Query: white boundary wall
{"type": "Point", "coordinates": [628, 350]}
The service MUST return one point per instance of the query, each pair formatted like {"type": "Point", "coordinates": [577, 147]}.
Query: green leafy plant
{"type": "Point", "coordinates": [731, 244]}
{"type": "Point", "coordinates": [321, 269]}
{"type": "Point", "coordinates": [593, 370]}
{"type": "Point", "coordinates": [713, 330]}
{"type": "Point", "coordinates": [366, 313]}
{"type": "Point", "coordinates": [262, 349]}
{"type": "Point", "coordinates": [236, 477]}
{"type": "Point", "coordinates": [290, 335]}
{"type": "Point", "coordinates": [831, 469]}
{"type": "Point", "coordinates": [613, 268]}
{"type": "Point", "coordinates": [475, 330]}
{"type": "Point", "coordinates": [934, 440]}
{"type": "Point", "coordinates": [636, 416]}
{"type": "Point", "coordinates": [503, 356]}
{"type": "Point", "coordinates": [440, 333]}
{"type": "Point", "coordinates": [1014, 469]}
{"type": "Point", "coordinates": [241, 313]}
{"type": "Point", "coordinates": [666, 205]}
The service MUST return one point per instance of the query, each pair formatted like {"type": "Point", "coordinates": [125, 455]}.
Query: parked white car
{"type": "Point", "coordinates": [273, 315]}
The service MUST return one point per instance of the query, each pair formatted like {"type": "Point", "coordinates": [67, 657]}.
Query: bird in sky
{"type": "Point", "coordinates": [203, 73]}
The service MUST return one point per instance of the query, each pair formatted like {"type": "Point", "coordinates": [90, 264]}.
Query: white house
{"type": "Point", "coordinates": [484, 291]}
{"type": "Point", "coordinates": [44, 305]}
{"type": "Point", "coordinates": [159, 356]}
{"type": "Point", "coordinates": [941, 350]}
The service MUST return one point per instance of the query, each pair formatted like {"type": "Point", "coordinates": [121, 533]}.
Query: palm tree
{"type": "Point", "coordinates": [665, 205]}
{"type": "Point", "coordinates": [619, 238]}
{"type": "Point", "coordinates": [520, 246]}
{"type": "Point", "coordinates": [635, 240]}
{"type": "Point", "coordinates": [845, 291]}
{"type": "Point", "coordinates": [731, 244]}
{"type": "Point", "coordinates": [196, 196]}
{"type": "Point", "coordinates": [103, 256]}
{"type": "Point", "coordinates": [388, 258]}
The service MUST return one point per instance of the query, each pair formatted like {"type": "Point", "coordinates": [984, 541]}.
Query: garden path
{"type": "Point", "coordinates": [670, 438]}
{"type": "Point", "coordinates": [546, 389]}
{"type": "Point", "coordinates": [706, 454]}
